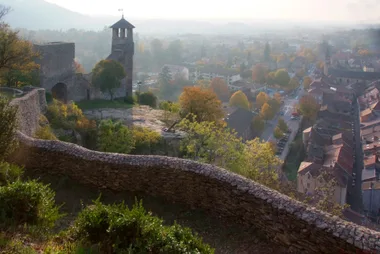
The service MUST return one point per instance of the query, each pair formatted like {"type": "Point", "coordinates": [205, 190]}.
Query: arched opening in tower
{"type": "Point", "coordinates": [59, 92]}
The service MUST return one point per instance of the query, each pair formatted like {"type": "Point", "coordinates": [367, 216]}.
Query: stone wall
{"type": "Point", "coordinates": [286, 222]}
{"type": "Point", "coordinates": [30, 106]}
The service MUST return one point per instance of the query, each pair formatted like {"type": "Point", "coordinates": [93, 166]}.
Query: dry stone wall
{"type": "Point", "coordinates": [283, 220]}
{"type": "Point", "coordinates": [286, 222]}
{"type": "Point", "coordinates": [30, 106]}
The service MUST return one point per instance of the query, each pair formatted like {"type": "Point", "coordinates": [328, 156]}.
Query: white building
{"type": "Point", "coordinates": [178, 72]}
{"type": "Point", "coordinates": [208, 73]}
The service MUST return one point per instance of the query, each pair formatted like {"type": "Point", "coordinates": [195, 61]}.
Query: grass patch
{"type": "Point", "coordinates": [294, 158]}
{"type": "Point", "coordinates": [100, 103]}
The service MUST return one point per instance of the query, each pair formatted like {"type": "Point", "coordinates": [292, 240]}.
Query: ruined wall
{"type": "Point", "coordinates": [30, 106]}
{"type": "Point", "coordinates": [283, 220]}
{"type": "Point", "coordinates": [57, 65]}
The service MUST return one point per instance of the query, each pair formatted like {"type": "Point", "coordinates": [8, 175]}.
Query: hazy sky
{"type": "Point", "coordinates": [335, 10]}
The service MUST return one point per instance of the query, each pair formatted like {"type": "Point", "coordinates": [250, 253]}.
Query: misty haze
{"type": "Point", "coordinates": [189, 127]}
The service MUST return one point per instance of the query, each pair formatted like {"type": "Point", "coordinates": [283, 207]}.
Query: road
{"type": "Point", "coordinates": [287, 108]}
{"type": "Point", "coordinates": [354, 193]}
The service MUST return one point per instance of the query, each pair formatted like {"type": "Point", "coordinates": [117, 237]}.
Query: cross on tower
{"type": "Point", "coordinates": [122, 12]}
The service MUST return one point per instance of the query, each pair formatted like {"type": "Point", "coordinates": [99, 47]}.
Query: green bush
{"type": "Point", "coordinates": [8, 124]}
{"type": "Point", "coordinates": [45, 132]}
{"type": "Point", "coordinates": [9, 173]}
{"type": "Point", "coordinates": [148, 98]}
{"type": "Point", "coordinates": [124, 230]}
{"type": "Point", "coordinates": [114, 137]}
{"type": "Point", "coordinates": [129, 100]}
{"type": "Point", "coordinates": [145, 140]}
{"type": "Point", "coordinates": [29, 203]}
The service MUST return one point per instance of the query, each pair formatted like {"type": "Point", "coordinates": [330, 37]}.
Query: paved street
{"type": "Point", "coordinates": [287, 108]}
{"type": "Point", "coordinates": [354, 195]}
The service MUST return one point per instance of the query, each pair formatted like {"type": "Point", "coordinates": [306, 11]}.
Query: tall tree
{"type": "Point", "coordinates": [281, 124]}
{"type": "Point", "coordinates": [282, 77]}
{"type": "Point", "coordinates": [219, 86]}
{"type": "Point", "coordinates": [266, 112]}
{"type": "Point", "coordinates": [174, 52]}
{"type": "Point", "coordinates": [278, 133]}
{"type": "Point", "coordinates": [261, 98]}
{"type": "Point", "coordinates": [202, 103]}
{"type": "Point", "coordinates": [259, 73]}
{"type": "Point", "coordinates": [107, 76]}
{"type": "Point", "coordinates": [267, 52]}
{"type": "Point", "coordinates": [17, 55]}
{"type": "Point", "coordinates": [164, 84]}
{"type": "Point", "coordinates": [240, 100]}
{"type": "Point", "coordinates": [306, 82]}
{"type": "Point", "coordinates": [308, 106]}
{"type": "Point", "coordinates": [293, 83]}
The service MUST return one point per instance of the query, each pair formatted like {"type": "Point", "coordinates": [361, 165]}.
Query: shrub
{"type": "Point", "coordinates": [148, 98]}
{"type": "Point", "coordinates": [8, 124]}
{"type": "Point", "coordinates": [29, 203]}
{"type": "Point", "coordinates": [114, 137]}
{"type": "Point", "coordinates": [45, 132]}
{"type": "Point", "coordinates": [9, 173]}
{"type": "Point", "coordinates": [49, 97]}
{"type": "Point", "coordinates": [129, 100]}
{"type": "Point", "coordinates": [120, 229]}
{"type": "Point", "coordinates": [145, 139]}
{"type": "Point", "coordinates": [64, 116]}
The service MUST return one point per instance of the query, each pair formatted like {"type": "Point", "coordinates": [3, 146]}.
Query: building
{"type": "Point", "coordinates": [122, 50]}
{"type": "Point", "coordinates": [240, 120]}
{"type": "Point", "coordinates": [178, 72]}
{"type": "Point", "coordinates": [209, 72]}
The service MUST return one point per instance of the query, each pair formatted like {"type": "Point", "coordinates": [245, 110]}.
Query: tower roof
{"type": "Point", "coordinates": [122, 23]}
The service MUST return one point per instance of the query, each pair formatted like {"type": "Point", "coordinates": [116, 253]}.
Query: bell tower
{"type": "Point", "coordinates": [122, 49]}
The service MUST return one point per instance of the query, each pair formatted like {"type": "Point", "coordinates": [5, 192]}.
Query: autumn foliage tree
{"type": "Point", "coordinates": [220, 88]}
{"type": "Point", "coordinates": [306, 82]}
{"type": "Point", "coordinates": [266, 112]}
{"type": "Point", "coordinates": [78, 67]}
{"type": "Point", "coordinates": [282, 77]}
{"type": "Point", "coordinates": [261, 98]}
{"type": "Point", "coordinates": [257, 125]}
{"type": "Point", "coordinates": [278, 133]}
{"type": "Point", "coordinates": [259, 73]}
{"type": "Point", "coordinates": [203, 103]}
{"type": "Point", "coordinates": [240, 100]}
{"type": "Point", "coordinates": [308, 106]}
{"type": "Point", "coordinates": [17, 57]}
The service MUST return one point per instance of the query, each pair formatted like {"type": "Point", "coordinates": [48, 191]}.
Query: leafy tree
{"type": "Point", "coordinates": [148, 98]}
{"type": "Point", "coordinates": [282, 77]}
{"type": "Point", "coordinates": [261, 98]}
{"type": "Point", "coordinates": [219, 86]}
{"type": "Point", "coordinates": [145, 140]}
{"type": "Point", "coordinates": [8, 125]}
{"type": "Point", "coordinates": [107, 76]}
{"type": "Point", "coordinates": [114, 137]}
{"type": "Point", "coordinates": [306, 82]}
{"type": "Point", "coordinates": [278, 98]}
{"type": "Point", "coordinates": [204, 104]}
{"type": "Point", "coordinates": [204, 83]}
{"type": "Point", "coordinates": [293, 83]}
{"type": "Point", "coordinates": [174, 52]}
{"type": "Point", "coordinates": [308, 107]}
{"type": "Point", "coordinates": [259, 73]}
{"type": "Point", "coordinates": [274, 105]}
{"type": "Point", "coordinates": [164, 82]}
{"type": "Point", "coordinates": [170, 109]}
{"type": "Point", "coordinates": [271, 78]}
{"type": "Point", "coordinates": [281, 124]}
{"type": "Point", "coordinates": [266, 112]}
{"type": "Point", "coordinates": [277, 133]}
{"type": "Point", "coordinates": [78, 67]}
{"type": "Point", "coordinates": [19, 78]}
{"type": "Point", "coordinates": [17, 56]}
{"type": "Point", "coordinates": [257, 125]}
{"type": "Point", "coordinates": [267, 52]}
{"type": "Point", "coordinates": [240, 100]}
{"type": "Point", "coordinates": [300, 73]}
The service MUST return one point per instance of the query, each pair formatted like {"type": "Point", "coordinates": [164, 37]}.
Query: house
{"type": "Point", "coordinates": [240, 121]}
{"type": "Point", "coordinates": [178, 72]}
{"type": "Point", "coordinates": [213, 71]}
{"type": "Point", "coordinates": [371, 197]}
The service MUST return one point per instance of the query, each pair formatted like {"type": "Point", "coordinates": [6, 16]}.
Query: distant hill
{"type": "Point", "coordinates": [38, 14]}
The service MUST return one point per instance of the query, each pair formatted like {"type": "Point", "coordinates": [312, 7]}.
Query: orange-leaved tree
{"type": "Point", "coordinates": [240, 100]}
{"type": "Point", "coordinates": [220, 88]}
{"type": "Point", "coordinates": [203, 103]}
{"type": "Point", "coordinates": [261, 98]}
